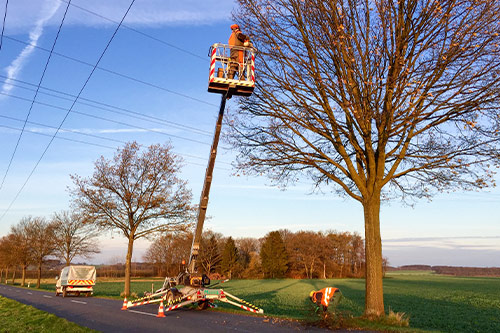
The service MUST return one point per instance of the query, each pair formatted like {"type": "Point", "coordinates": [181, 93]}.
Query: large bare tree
{"type": "Point", "coordinates": [73, 237]}
{"type": "Point", "coordinates": [137, 192]}
{"type": "Point", "coordinates": [377, 99]}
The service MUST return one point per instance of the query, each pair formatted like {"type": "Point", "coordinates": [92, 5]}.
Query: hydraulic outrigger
{"type": "Point", "coordinates": [196, 285]}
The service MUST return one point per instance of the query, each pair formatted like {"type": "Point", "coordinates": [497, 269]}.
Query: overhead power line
{"type": "Point", "coordinates": [106, 119]}
{"type": "Point", "coordinates": [94, 136]}
{"type": "Point", "coordinates": [3, 25]}
{"type": "Point", "coordinates": [59, 137]}
{"type": "Point", "coordinates": [140, 32]}
{"type": "Point", "coordinates": [34, 97]}
{"type": "Point", "coordinates": [125, 76]}
{"type": "Point", "coordinates": [68, 112]}
{"type": "Point", "coordinates": [127, 112]}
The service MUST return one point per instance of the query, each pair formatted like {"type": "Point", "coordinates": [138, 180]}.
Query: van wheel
{"type": "Point", "coordinates": [65, 293]}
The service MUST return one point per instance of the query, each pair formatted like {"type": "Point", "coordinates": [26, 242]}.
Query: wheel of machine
{"type": "Point", "coordinates": [170, 297]}
{"type": "Point", "coordinates": [65, 293]}
{"type": "Point", "coordinates": [77, 293]}
{"type": "Point", "coordinates": [202, 305]}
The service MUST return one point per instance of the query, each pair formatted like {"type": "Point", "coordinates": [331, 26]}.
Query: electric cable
{"type": "Point", "coordinates": [128, 112]}
{"type": "Point", "coordinates": [68, 112]}
{"type": "Point", "coordinates": [34, 97]}
{"type": "Point", "coordinates": [125, 76]}
{"type": "Point", "coordinates": [3, 25]}
{"type": "Point", "coordinates": [140, 32]}
{"type": "Point", "coordinates": [104, 146]}
{"type": "Point", "coordinates": [106, 119]}
{"type": "Point", "coordinates": [94, 136]}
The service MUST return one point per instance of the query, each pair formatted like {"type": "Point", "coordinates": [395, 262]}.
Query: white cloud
{"type": "Point", "coordinates": [450, 243]}
{"type": "Point", "coordinates": [22, 13]}
{"type": "Point", "coordinates": [48, 10]}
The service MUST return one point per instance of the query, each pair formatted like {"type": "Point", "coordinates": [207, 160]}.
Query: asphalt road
{"type": "Point", "coordinates": [105, 315]}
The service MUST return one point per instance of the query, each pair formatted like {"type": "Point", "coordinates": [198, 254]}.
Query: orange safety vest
{"type": "Point", "coordinates": [234, 41]}
{"type": "Point", "coordinates": [327, 294]}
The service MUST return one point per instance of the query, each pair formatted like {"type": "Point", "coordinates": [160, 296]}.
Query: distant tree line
{"type": "Point", "coordinates": [34, 242]}
{"type": "Point", "coordinates": [452, 270]}
{"type": "Point", "coordinates": [302, 254]}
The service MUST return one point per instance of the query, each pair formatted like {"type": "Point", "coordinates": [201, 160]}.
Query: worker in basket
{"type": "Point", "coordinates": [237, 54]}
{"type": "Point", "coordinates": [324, 297]}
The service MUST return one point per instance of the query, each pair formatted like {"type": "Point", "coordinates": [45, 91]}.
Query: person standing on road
{"type": "Point", "coordinates": [237, 41]}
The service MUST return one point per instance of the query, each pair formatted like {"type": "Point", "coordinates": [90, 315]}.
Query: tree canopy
{"type": "Point", "coordinates": [137, 192]}
{"type": "Point", "coordinates": [373, 99]}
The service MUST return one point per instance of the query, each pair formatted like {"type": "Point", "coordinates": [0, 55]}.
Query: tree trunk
{"type": "Point", "coordinates": [374, 303]}
{"type": "Point", "coordinates": [128, 264]}
{"type": "Point", "coordinates": [14, 276]}
{"type": "Point", "coordinates": [23, 279]}
{"type": "Point", "coordinates": [39, 275]}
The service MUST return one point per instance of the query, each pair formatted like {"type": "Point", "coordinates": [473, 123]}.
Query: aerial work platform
{"type": "Point", "coordinates": [232, 72]}
{"type": "Point", "coordinates": [223, 73]}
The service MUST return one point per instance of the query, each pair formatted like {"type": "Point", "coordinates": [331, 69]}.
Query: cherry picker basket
{"type": "Point", "coordinates": [227, 73]}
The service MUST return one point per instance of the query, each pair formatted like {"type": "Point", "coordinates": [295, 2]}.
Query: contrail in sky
{"type": "Point", "coordinates": [49, 9]}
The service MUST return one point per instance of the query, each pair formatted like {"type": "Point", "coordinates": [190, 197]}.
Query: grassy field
{"type": "Point", "coordinates": [17, 317]}
{"type": "Point", "coordinates": [432, 302]}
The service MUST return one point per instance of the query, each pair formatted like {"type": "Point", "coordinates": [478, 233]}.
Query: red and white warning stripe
{"type": "Point", "coordinates": [212, 64]}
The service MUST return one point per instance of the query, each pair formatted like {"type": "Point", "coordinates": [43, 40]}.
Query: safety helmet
{"type": "Point", "coordinates": [311, 293]}
{"type": "Point", "coordinates": [235, 27]}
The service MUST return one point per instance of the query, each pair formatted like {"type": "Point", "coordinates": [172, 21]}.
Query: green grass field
{"type": "Point", "coordinates": [17, 317]}
{"type": "Point", "coordinates": [432, 302]}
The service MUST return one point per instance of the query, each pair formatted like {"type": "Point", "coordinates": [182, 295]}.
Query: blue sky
{"type": "Point", "coordinates": [162, 79]}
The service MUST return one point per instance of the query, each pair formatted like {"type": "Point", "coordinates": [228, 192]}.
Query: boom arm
{"type": "Point", "coordinates": [202, 210]}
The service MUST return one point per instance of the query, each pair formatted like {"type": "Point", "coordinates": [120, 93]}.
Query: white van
{"type": "Point", "coordinates": [76, 280]}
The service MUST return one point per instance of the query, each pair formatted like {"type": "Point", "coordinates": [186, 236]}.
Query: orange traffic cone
{"type": "Point", "coordinates": [124, 307]}
{"type": "Point", "coordinates": [161, 312]}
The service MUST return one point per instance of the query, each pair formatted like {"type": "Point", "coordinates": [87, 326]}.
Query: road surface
{"type": "Point", "coordinates": [105, 315]}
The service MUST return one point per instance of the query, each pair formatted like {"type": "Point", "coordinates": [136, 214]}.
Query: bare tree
{"type": "Point", "coordinates": [305, 251]}
{"type": "Point", "coordinates": [210, 254]}
{"type": "Point", "coordinates": [168, 251]}
{"type": "Point", "coordinates": [41, 237]}
{"type": "Point", "coordinates": [73, 238]}
{"type": "Point", "coordinates": [159, 254]}
{"type": "Point", "coordinates": [7, 256]}
{"type": "Point", "coordinates": [247, 246]}
{"type": "Point", "coordinates": [377, 99]}
{"type": "Point", "coordinates": [137, 193]}
{"type": "Point", "coordinates": [22, 245]}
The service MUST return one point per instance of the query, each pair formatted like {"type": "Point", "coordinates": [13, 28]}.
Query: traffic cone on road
{"type": "Point", "coordinates": [161, 312]}
{"type": "Point", "coordinates": [124, 306]}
